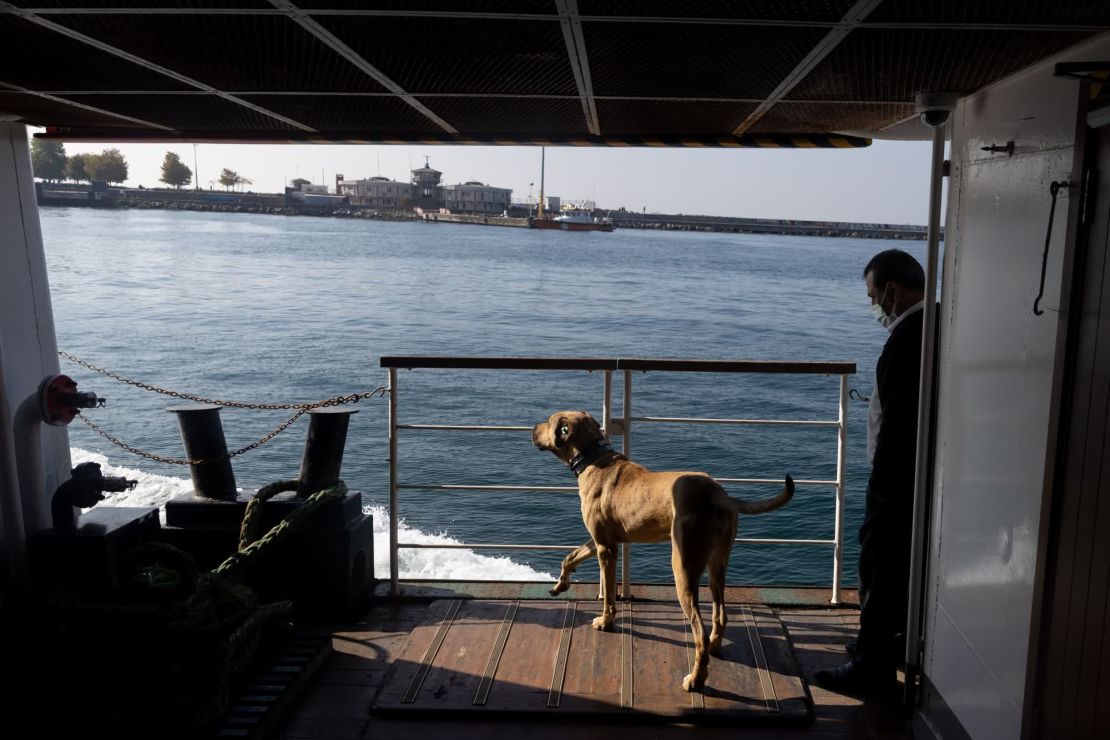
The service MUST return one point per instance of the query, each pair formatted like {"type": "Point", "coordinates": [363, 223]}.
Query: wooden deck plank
{"type": "Point", "coordinates": [528, 662]}
{"type": "Point", "coordinates": [662, 660]}
{"type": "Point", "coordinates": [392, 628]}
{"type": "Point", "coordinates": [594, 666]}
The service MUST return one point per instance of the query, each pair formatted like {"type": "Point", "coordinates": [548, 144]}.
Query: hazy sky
{"type": "Point", "coordinates": [886, 182]}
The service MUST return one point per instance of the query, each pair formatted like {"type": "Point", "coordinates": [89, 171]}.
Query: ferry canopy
{"type": "Point", "coordinates": [579, 72]}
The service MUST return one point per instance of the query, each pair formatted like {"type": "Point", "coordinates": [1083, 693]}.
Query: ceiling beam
{"type": "Point", "coordinates": [571, 24]}
{"type": "Point", "coordinates": [302, 18]}
{"type": "Point", "coordinates": [491, 96]}
{"type": "Point", "coordinates": [93, 109]}
{"type": "Point", "coordinates": [816, 55]}
{"type": "Point", "coordinates": [464, 15]}
{"type": "Point", "coordinates": [108, 48]}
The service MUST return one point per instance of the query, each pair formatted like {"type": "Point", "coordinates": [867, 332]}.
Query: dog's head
{"type": "Point", "coordinates": [566, 433]}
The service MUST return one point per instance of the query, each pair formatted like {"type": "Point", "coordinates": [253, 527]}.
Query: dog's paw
{"type": "Point", "coordinates": [601, 623]}
{"type": "Point", "coordinates": [559, 588]}
{"type": "Point", "coordinates": [691, 684]}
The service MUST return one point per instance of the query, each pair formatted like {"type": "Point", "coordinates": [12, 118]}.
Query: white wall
{"type": "Point", "coordinates": [998, 362]}
{"type": "Point", "coordinates": [26, 319]}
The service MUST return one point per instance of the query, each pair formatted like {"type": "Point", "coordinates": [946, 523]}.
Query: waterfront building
{"type": "Point", "coordinates": [376, 192]}
{"type": "Point", "coordinates": [477, 197]}
{"type": "Point", "coordinates": [427, 192]}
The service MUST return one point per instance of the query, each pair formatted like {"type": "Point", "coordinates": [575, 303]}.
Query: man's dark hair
{"type": "Point", "coordinates": [896, 265]}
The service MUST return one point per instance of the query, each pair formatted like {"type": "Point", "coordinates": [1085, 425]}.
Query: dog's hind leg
{"type": "Point", "coordinates": [570, 564]}
{"type": "Point", "coordinates": [717, 568]}
{"type": "Point", "coordinates": [686, 586]}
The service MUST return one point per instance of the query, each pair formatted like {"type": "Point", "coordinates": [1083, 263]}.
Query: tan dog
{"type": "Point", "coordinates": [624, 502]}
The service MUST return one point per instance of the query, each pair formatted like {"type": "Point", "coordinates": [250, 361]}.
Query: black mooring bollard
{"type": "Point", "coordinates": [203, 436]}
{"type": "Point", "coordinates": [323, 449]}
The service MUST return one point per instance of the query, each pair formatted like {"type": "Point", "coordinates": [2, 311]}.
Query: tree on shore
{"type": "Point", "coordinates": [109, 166]}
{"type": "Point", "coordinates": [48, 159]}
{"type": "Point", "coordinates": [229, 178]}
{"type": "Point", "coordinates": [77, 168]}
{"type": "Point", "coordinates": [175, 172]}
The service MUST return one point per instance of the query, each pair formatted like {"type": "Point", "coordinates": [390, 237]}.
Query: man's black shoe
{"type": "Point", "coordinates": [857, 678]}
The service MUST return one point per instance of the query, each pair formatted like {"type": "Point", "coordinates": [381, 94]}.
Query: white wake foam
{"type": "Point", "coordinates": [453, 564]}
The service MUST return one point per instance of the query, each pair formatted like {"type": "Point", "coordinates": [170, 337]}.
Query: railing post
{"type": "Point", "coordinates": [393, 549]}
{"type": "Point", "coordinates": [841, 451]}
{"type": "Point", "coordinates": [626, 449]}
{"type": "Point", "coordinates": [607, 404]}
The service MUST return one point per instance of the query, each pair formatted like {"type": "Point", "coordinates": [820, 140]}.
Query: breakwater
{"type": "Point", "coordinates": [100, 196]}
{"type": "Point", "coordinates": [680, 222]}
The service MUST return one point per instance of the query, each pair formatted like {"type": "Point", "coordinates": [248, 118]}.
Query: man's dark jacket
{"type": "Point", "coordinates": [898, 378]}
{"type": "Point", "coordinates": [884, 560]}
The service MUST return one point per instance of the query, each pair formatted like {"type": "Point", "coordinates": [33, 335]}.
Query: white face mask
{"type": "Point", "coordinates": [884, 319]}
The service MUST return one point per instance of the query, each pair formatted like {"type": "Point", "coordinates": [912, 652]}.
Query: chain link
{"type": "Point", "coordinates": [299, 408]}
{"type": "Point", "coordinates": [324, 403]}
{"type": "Point", "coordinates": [183, 461]}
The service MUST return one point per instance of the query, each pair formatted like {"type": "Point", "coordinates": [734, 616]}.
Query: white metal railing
{"type": "Point", "coordinates": [623, 429]}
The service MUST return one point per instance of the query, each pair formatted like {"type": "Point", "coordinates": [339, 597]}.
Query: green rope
{"type": "Point", "coordinates": [230, 568]}
{"type": "Point", "coordinates": [253, 512]}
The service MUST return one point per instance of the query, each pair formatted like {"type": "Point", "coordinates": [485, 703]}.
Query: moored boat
{"type": "Point", "coordinates": [573, 220]}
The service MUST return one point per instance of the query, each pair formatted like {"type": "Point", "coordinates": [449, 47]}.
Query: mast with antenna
{"type": "Point", "coordinates": [539, 212]}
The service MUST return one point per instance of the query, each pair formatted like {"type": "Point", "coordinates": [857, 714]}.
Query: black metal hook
{"type": "Point", "coordinates": [1054, 189]}
{"type": "Point", "coordinates": [1008, 147]}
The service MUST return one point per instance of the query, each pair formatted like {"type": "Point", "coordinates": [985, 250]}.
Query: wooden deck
{"type": "Point", "coordinates": [383, 680]}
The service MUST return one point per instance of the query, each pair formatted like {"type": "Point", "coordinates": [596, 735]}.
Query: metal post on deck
{"type": "Point", "coordinates": [322, 459]}
{"type": "Point", "coordinates": [921, 483]}
{"type": "Point", "coordinates": [202, 434]}
{"type": "Point", "coordinates": [838, 525]}
{"type": "Point", "coordinates": [626, 449]}
{"type": "Point", "coordinates": [607, 404]}
{"type": "Point", "coordinates": [393, 550]}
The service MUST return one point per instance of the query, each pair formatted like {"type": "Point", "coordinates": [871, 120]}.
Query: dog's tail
{"type": "Point", "coordinates": [761, 507]}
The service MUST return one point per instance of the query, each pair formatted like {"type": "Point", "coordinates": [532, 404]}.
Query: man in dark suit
{"type": "Point", "coordinates": [895, 284]}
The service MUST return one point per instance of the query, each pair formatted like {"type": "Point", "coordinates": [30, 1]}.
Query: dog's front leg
{"type": "Point", "coordinates": [570, 564]}
{"type": "Point", "coordinates": [607, 564]}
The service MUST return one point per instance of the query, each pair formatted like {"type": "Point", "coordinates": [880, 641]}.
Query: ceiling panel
{"type": "Point", "coordinates": [40, 59]}
{"type": "Point", "coordinates": [370, 114]}
{"type": "Point", "coordinates": [187, 112]}
{"type": "Point", "coordinates": [461, 56]}
{"type": "Point", "coordinates": [1066, 12]}
{"type": "Point", "coordinates": [40, 111]}
{"type": "Point", "coordinates": [894, 65]}
{"type": "Point", "coordinates": [670, 116]}
{"type": "Point", "coordinates": [231, 53]}
{"type": "Point", "coordinates": [791, 118]}
{"type": "Point", "coordinates": [814, 10]}
{"type": "Point", "coordinates": [530, 7]}
{"type": "Point", "coordinates": [692, 60]}
{"type": "Point", "coordinates": [538, 117]}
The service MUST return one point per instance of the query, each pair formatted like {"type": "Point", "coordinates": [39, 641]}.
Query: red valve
{"type": "Point", "coordinates": [57, 396]}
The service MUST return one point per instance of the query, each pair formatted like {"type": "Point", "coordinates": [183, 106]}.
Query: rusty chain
{"type": "Point", "coordinates": [184, 461]}
{"type": "Point", "coordinates": [299, 408]}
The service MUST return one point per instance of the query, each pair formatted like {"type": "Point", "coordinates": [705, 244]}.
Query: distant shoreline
{"type": "Point", "coordinates": [65, 195]}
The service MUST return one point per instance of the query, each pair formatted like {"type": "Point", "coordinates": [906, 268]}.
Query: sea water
{"type": "Point", "coordinates": [275, 309]}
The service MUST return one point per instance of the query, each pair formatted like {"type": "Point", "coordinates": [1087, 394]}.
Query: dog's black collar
{"type": "Point", "coordinates": [589, 456]}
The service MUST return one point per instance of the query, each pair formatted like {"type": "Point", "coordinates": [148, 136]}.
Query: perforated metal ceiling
{"type": "Point", "coordinates": [704, 72]}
